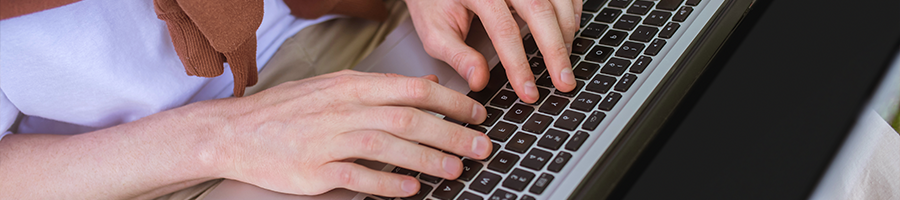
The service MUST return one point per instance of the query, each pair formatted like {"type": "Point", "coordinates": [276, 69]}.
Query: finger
{"type": "Point", "coordinates": [420, 93]}
{"type": "Point", "coordinates": [567, 19]}
{"type": "Point", "coordinates": [358, 178]}
{"type": "Point", "coordinates": [432, 77]}
{"type": "Point", "coordinates": [387, 148]}
{"type": "Point", "coordinates": [541, 16]}
{"type": "Point", "coordinates": [504, 34]}
{"type": "Point", "coordinates": [413, 124]}
{"type": "Point", "coordinates": [469, 63]}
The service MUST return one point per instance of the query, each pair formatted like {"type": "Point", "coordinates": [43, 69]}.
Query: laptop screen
{"type": "Point", "coordinates": [774, 107]}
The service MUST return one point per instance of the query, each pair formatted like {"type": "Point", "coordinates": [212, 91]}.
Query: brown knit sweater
{"type": "Point", "coordinates": [207, 34]}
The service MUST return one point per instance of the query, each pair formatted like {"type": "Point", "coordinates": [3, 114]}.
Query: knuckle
{"type": "Point", "coordinates": [418, 89]}
{"type": "Point", "coordinates": [402, 119]}
{"type": "Point", "coordinates": [372, 142]}
{"type": "Point", "coordinates": [345, 176]}
{"type": "Point", "coordinates": [541, 8]}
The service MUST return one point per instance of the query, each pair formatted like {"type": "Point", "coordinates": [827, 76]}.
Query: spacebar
{"type": "Point", "coordinates": [497, 80]}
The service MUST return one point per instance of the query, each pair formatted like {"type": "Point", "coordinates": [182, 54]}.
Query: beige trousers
{"type": "Point", "coordinates": [323, 48]}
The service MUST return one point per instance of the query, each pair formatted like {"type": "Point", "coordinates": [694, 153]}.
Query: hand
{"type": "Point", "coordinates": [443, 25]}
{"type": "Point", "coordinates": [299, 137]}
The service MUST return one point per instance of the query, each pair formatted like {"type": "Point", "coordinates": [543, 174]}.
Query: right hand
{"type": "Point", "coordinates": [299, 137]}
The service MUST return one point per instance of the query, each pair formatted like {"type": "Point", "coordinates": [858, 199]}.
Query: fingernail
{"type": "Point", "coordinates": [451, 164]}
{"type": "Point", "coordinates": [480, 146]}
{"type": "Point", "coordinates": [469, 74]}
{"type": "Point", "coordinates": [530, 89]}
{"type": "Point", "coordinates": [409, 186]}
{"type": "Point", "coordinates": [477, 112]}
{"type": "Point", "coordinates": [566, 76]}
{"type": "Point", "coordinates": [569, 47]}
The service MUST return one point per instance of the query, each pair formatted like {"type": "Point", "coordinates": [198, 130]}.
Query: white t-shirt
{"type": "Point", "coordinates": [98, 63]}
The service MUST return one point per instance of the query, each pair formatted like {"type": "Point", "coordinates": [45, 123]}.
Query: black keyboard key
{"type": "Point", "coordinates": [502, 195]}
{"type": "Point", "coordinates": [477, 128]}
{"type": "Point", "coordinates": [581, 45]}
{"type": "Point", "coordinates": [504, 99]}
{"type": "Point", "coordinates": [640, 7]}
{"type": "Point", "coordinates": [682, 14]}
{"type": "Point", "coordinates": [669, 30]}
{"type": "Point", "coordinates": [470, 169]}
{"type": "Point", "coordinates": [657, 18]}
{"type": "Point", "coordinates": [451, 120]}
{"type": "Point", "coordinates": [592, 5]}
{"type": "Point", "coordinates": [448, 189]}
{"type": "Point", "coordinates": [692, 2]}
{"type": "Point", "coordinates": [627, 22]}
{"type": "Point", "coordinates": [584, 102]}
{"type": "Point", "coordinates": [536, 159]}
{"type": "Point", "coordinates": [592, 121]}
{"type": "Point", "coordinates": [518, 113]}
{"type": "Point", "coordinates": [542, 93]}
{"type": "Point", "coordinates": [630, 50]}
{"type": "Point", "coordinates": [585, 70]}
{"type": "Point", "coordinates": [570, 120]}
{"type": "Point", "coordinates": [615, 67]}
{"type": "Point", "coordinates": [619, 3]}
{"type": "Point", "coordinates": [470, 196]}
{"type": "Point", "coordinates": [578, 85]}
{"type": "Point", "coordinates": [430, 178]}
{"type": "Point", "coordinates": [554, 105]}
{"type": "Point", "coordinates": [608, 15]}
{"type": "Point", "coordinates": [493, 115]}
{"type": "Point", "coordinates": [485, 182]}
{"type": "Point", "coordinates": [537, 123]}
{"type": "Point", "coordinates": [573, 59]}
{"type": "Point", "coordinates": [529, 44]}
{"type": "Point", "coordinates": [537, 65]}
{"type": "Point", "coordinates": [494, 148]}
{"type": "Point", "coordinates": [640, 65]}
{"type": "Point", "coordinates": [496, 81]}
{"type": "Point", "coordinates": [553, 139]}
{"type": "Point", "coordinates": [559, 162]}
{"type": "Point", "coordinates": [502, 131]}
{"type": "Point", "coordinates": [404, 171]}
{"type": "Point", "coordinates": [611, 99]}
{"type": "Point", "coordinates": [520, 142]}
{"type": "Point", "coordinates": [369, 198]}
{"type": "Point", "coordinates": [655, 47]}
{"type": "Point", "coordinates": [669, 5]}
{"type": "Point", "coordinates": [585, 18]}
{"type": "Point", "coordinates": [601, 84]}
{"type": "Point", "coordinates": [541, 183]}
{"type": "Point", "coordinates": [594, 30]}
{"type": "Point", "coordinates": [599, 53]}
{"type": "Point", "coordinates": [423, 191]}
{"type": "Point", "coordinates": [526, 197]}
{"type": "Point", "coordinates": [577, 140]}
{"type": "Point", "coordinates": [643, 33]}
{"type": "Point", "coordinates": [612, 38]}
{"type": "Point", "coordinates": [518, 179]}
{"type": "Point", "coordinates": [544, 80]}
{"type": "Point", "coordinates": [502, 163]}
{"type": "Point", "coordinates": [625, 82]}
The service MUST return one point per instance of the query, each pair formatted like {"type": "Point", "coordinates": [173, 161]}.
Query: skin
{"type": "Point", "coordinates": [295, 138]}
{"type": "Point", "coordinates": [299, 137]}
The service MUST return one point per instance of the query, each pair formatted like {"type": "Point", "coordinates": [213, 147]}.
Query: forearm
{"type": "Point", "coordinates": [145, 158]}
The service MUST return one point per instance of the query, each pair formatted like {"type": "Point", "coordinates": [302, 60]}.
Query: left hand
{"type": "Point", "coordinates": [443, 25]}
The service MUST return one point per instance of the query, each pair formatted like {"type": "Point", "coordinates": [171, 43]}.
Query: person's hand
{"type": "Point", "coordinates": [300, 137]}
{"type": "Point", "coordinates": [443, 25]}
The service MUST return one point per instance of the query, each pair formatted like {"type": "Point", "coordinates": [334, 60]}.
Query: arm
{"type": "Point", "coordinates": [293, 138]}
{"type": "Point", "coordinates": [145, 158]}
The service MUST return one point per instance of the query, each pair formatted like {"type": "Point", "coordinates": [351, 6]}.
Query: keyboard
{"type": "Point", "coordinates": [533, 143]}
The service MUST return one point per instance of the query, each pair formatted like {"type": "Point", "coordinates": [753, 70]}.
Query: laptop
{"type": "Point", "coordinates": [633, 59]}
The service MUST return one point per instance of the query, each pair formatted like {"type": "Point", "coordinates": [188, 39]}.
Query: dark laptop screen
{"type": "Point", "coordinates": [774, 106]}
